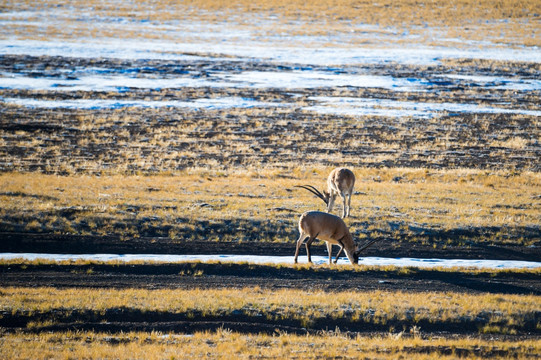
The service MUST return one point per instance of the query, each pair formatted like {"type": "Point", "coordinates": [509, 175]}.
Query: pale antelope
{"type": "Point", "coordinates": [340, 182]}
{"type": "Point", "coordinates": [331, 229]}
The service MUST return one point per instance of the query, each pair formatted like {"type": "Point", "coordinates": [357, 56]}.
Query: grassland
{"type": "Point", "coordinates": [306, 309]}
{"type": "Point", "coordinates": [316, 23]}
{"type": "Point", "coordinates": [463, 185]}
{"type": "Point", "coordinates": [49, 308]}
{"type": "Point", "coordinates": [314, 313]}
{"type": "Point", "coordinates": [225, 345]}
{"type": "Point", "coordinates": [229, 174]}
{"type": "Point", "coordinates": [435, 207]}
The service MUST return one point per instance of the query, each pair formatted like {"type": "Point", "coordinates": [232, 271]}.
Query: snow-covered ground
{"type": "Point", "coordinates": [392, 108]}
{"type": "Point", "coordinates": [193, 40]}
{"type": "Point", "coordinates": [238, 48]}
{"type": "Point", "coordinates": [228, 40]}
{"type": "Point", "coordinates": [373, 261]}
{"type": "Point", "coordinates": [95, 80]}
{"type": "Point", "coordinates": [93, 104]}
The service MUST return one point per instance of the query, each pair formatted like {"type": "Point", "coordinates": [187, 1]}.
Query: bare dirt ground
{"type": "Point", "coordinates": [224, 275]}
{"type": "Point", "coordinates": [238, 276]}
{"type": "Point", "coordinates": [385, 247]}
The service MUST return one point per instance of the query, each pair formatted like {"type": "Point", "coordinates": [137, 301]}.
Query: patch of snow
{"type": "Point", "coordinates": [392, 108]}
{"type": "Point", "coordinates": [119, 49]}
{"type": "Point", "coordinates": [100, 83]}
{"type": "Point", "coordinates": [93, 104]}
{"type": "Point", "coordinates": [318, 79]}
{"type": "Point", "coordinates": [95, 79]}
{"type": "Point", "coordinates": [249, 79]}
{"type": "Point", "coordinates": [498, 82]}
{"type": "Point", "coordinates": [319, 260]}
{"type": "Point", "coordinates": [248, 49]}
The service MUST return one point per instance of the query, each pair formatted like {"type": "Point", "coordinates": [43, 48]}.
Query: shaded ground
{"type": "Point", "coordinates": [239, 276]}
{"type": "Point", "coordinates": [385, 247]}
{"type": "Point", "coordinates": [218, 275]}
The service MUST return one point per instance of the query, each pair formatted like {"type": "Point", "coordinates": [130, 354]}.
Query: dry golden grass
{"type": "Point", "coordinates": [198, 203]}
{"type": "Point", "coordinates": [508, 22]}
{"type": "Point", "coordinates": [225, 344]}
{"type": "Point", "coordinates": [288, 303]}
{"type": "Point", "coordinates": [150, 141]}
{"type": "Point", "coordinates": [499, 313]}
{"type": "Point", "coordinates": [194, 189]}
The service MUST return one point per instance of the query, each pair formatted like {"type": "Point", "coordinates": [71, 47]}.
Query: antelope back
{"type": "Point", "coordinates": [325, 226]}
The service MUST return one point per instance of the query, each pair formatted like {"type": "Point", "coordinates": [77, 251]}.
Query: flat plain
{"type": "Point", "coordinates": [165, 128]}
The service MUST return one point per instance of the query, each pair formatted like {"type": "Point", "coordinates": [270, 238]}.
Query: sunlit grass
{"type": "Point", "coordinates": [225, 344]}
{"type": "Point", "coordinates": [509, 22]}
{"type": "Point", "coordinates": [207, 203]}
{"type": "Point", "coordinates": [149, 141]}
{"type": "Point", "coordinates": [309, 309]}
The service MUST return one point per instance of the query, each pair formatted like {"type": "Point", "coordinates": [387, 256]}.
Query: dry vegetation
{"type": "Point", "coordinates": [149, 141]}
{"type": "Point", "coordinates": [162, 140]}
{"type": "Point", "coordinates": [435, 207]}
{"type": "Point", "coordinates": [42, 309]}
{"type": "Point", "coordinates": [228, 176]}
{"type": "Point", "coordinates": [47, 308]}
{"type": "Point", "coordinates": [506, 22]}
{"type": "Point", "coordinates": [225, 344]}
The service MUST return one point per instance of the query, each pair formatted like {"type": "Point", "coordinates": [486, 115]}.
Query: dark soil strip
{"type": "Point", "coordinates": [217, 275]}
{"type": "Point", "coordinates": [121, 319]}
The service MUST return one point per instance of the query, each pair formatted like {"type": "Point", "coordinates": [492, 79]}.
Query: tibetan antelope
{"type": "Point", "coordinates": [331, 229]}
{"type": "Point", "coordinates": [340, 182]}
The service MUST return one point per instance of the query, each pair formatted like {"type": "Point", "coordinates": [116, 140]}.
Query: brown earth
{"type": "Point", "coordinates": [385, 247]}
{"type": "Point", "coordinates": [228, 275]}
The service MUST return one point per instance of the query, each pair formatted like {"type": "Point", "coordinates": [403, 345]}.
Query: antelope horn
{"type": "Point", "coordinates": [366, 246]}
{"type": "Point", "coordinates": [314, 191]}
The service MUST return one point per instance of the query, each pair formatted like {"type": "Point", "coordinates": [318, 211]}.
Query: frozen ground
{"type": "Point", "coordinates": [218, 75]}
{"type": "Point", "coordinates": [374, 261]}
{"type": "Point", "coordinates": [283, 53]}
{"type": "Point", "coordinates": [312, 62]}
{"type": "Point", "coordinates": [90, 104]}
